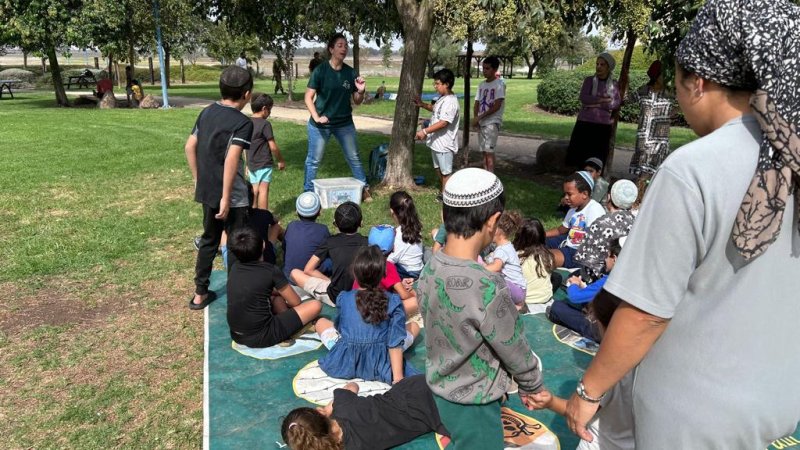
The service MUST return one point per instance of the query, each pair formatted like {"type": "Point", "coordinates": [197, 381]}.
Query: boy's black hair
{"type": "Point", "coordinates": [445, 76]}
{"type": "Point", "coordinates": [246, 244]}
{"type": "Point", "coordinates": [234, 82]}
{"type": "Point", "coordinates": [261, 101]}
{"type": "Point", "coordinates": [465, 222]}
{"type": "Point", "coordinates": [580, 183]}
{"type": "Point", "coordinates": [614, 247]}
{"type": "Point", "coordinates": [593, 165]}
{"type": "Point", "coordinates": [347, 217]}
{"type": "Point", "coordinates": [492, 61]}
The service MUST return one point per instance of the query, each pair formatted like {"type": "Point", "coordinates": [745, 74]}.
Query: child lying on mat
{"type": "Point", "coordinates": [378, 422]}
{"type": "Point", "coordinates": [256, 317]}
{"type": "Point", "coordinates": [612, 426]}
{"type": "Point", "coordinates": [573, 313]}
{"type": "Point", "coordinates": [370, 333]}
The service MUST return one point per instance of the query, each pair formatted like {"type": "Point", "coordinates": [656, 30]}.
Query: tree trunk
{"type": "Point", "coordinates": [152, 74]}
{"type": "Point", "coordinates": [183, 74]}
{"type": "Point", "coordinates": [166, 65]}
{"type": "Point", "coordinates": [467, 109]}
{"type": "Point", "coordinates": [58, 83]}
{"type": "Point", "coordinates": [416, 18]}
{"type": "Point", "coordinates": [356, 51]}
{"type": "Point", "coordinates": [624, 80]}
{"type": "Point", "coordinates": [25, 60]}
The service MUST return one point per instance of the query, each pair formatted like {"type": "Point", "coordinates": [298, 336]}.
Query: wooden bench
{"type": "Point", "coordinates": [6, 85]}
{"type": "Point", "coordinates": [83, 80]}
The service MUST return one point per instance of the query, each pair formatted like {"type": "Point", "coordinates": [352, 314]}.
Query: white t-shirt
{"type": "Point", "coordinates": [488, 92]}
{"type": "Point", "coordinates": [404, 254]}
{"type": "Point", "coordinates": [445, 140]}
{"type": "Point", "coordinates": [241, 62]}
{"type": "Point", "coordinates": [577, 222]}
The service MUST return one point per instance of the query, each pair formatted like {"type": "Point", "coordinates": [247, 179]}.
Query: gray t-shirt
{"type": "Point", "coordinates": [724, 372]}
{"type": "Point", "coordinates": [512, 268]}
{"type": "Point", "coordinates": [473, 335]}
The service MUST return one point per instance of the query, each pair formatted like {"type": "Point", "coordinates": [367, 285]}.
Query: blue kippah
{"type": "Point", "coordinates": [587, 177]}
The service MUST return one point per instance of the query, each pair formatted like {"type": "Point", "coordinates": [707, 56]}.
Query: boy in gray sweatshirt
{"type": "Point", "coordinates": [474, 336]}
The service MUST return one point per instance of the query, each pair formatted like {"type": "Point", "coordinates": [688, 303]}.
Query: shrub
{"type": "Point", "coordinates": [25, 76]}
{"type": "Point", "coordinates": [559, 92]}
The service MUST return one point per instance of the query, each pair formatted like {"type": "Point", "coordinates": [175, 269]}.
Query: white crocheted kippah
{"type": "Point", "coordinates": [471, 187]}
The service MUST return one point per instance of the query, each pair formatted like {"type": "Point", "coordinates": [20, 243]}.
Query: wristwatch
{"type": "Point", "coordinates": [581, 391]}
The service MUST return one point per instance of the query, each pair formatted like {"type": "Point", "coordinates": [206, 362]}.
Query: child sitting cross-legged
{"type": "Point", "coordinates": [474, 337]}
{"type": "Point", "coordinates": [256, 317]}
{"type": "Point", "coordinates": [537, 264]}
{"type": "Point", "coordinates": [340, 248]}
{"type": "Point", "coordinates": [564, 240]}
{"type": "Point", "coordinates": [369, 335]}
{"type": "Point", "coordinates": [573, 313]}
{"type": "Point", "coordinates": [504, 258]}
{"type": "Point", "coordinates": [383, 237]}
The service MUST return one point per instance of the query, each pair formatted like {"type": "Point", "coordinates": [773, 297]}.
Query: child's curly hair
{"type": "Point", "coordinates": [308, 429]}
{"type": "Point", "coordinates": [509, 222]}
{"type": "Point", "coordinates": [369, 268]}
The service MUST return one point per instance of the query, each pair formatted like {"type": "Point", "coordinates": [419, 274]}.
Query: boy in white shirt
{"type": "Point", "coordinates": [488, 110]}
{"type": "Point", "coordinates": [442, 133]}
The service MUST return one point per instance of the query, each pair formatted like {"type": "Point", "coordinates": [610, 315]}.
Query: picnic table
{"type": "Point", "coordinates": [83, 80]}
{"type": "Point", "coordinates": [6, 85]}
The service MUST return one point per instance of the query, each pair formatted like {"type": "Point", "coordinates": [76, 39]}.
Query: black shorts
{"type": "Point", "coordinates": [279, 329]}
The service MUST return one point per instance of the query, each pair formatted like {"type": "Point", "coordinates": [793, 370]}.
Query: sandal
{"type": "Point", "coordinates": [210, 297]}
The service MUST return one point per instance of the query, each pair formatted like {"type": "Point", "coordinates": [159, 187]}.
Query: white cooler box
{"type": "Point", "coordinates": [335, 191]}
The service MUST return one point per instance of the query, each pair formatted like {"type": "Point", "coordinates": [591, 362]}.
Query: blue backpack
{"type": "Point", "coordinates": [377, 163]}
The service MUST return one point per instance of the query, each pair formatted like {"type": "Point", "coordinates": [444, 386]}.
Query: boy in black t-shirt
{"type": "Point", "coordinates": [262, 151]}
{"type": "Point", "coordinates": [341, 249]}
{"type": "Point", "coordinates": [257, 317]}
{"type": "Point", "coordinates": [214, 154]}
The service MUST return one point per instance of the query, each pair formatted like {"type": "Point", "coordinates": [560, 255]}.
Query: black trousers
{"type": "Point", "coordinates": [209, 242]}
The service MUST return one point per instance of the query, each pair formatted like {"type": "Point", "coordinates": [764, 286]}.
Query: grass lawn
{"type": "Point", "coordinates": [520, 116]}
{"type": "Point", "coordinates": [97, 346]}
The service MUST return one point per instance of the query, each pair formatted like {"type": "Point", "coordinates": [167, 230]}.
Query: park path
{"type": "Point", "coordinates": [511, 147]}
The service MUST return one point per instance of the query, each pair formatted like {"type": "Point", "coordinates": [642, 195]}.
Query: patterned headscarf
{"type": "Point", "coordinates": [755, 45]}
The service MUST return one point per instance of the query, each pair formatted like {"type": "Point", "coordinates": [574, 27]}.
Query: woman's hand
{"type": "Point", "coordinates": [323, 119]}
{"type": "Point", "coordinates": [361, 85]}
{"type": "Point", "coordinates": [579, 413]}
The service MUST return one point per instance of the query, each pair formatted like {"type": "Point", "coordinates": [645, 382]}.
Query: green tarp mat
{"type": "Point", "coordinates": [245, 399]}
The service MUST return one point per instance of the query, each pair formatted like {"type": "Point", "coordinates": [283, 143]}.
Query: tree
{"type": "Point", "coordinates": [45, 25]}
{"type": "Point", "coordinates": [386, 50]}
{"type": "Point", "coordinates": [416, 18]}
{"type": "Point", "coordinates": [443, 51]}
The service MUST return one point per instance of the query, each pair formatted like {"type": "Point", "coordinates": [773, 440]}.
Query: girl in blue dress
{"type": "Point", "coordinates": [368, 337]}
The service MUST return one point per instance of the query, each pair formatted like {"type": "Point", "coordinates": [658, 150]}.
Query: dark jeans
{"type": "Point", "coordinates": [562, 313]}
{"type": "Point", "coordinates": [209, 242]}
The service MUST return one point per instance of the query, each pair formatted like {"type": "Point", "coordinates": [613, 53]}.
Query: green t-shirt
{"type": "Point", "coordinates": [334, 89]}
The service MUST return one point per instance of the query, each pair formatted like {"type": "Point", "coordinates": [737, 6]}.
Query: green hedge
{"type": "Point", "coordinates": [559, 91]}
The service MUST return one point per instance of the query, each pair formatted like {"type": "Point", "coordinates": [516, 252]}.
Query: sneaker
{"type": "Point", "coordinates": [287, 343]}
{"type": "Point", "coordinates": [197, 242]}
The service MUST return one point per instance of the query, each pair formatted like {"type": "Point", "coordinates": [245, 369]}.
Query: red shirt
{"type": "Point", "coordinates": [389, 279]}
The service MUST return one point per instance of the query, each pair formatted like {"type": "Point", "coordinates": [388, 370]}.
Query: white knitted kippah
{"type": "Point", "coordinates": [471, 187]}
{"type": "Point", "coordinates": [624, 194]}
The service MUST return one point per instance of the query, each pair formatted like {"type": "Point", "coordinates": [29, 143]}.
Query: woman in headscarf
{"type": "Point", "coordinates": [655, 115]}
{"type": "Point", "coordinates": [599, 98]}
{"type": "Point", "coordinates": [708, 280]}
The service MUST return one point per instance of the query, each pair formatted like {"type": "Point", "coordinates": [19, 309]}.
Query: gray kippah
{"type": "Point", "coordinates": [471, 187]}
{"type": "Point", "coordinates": [624, 194]}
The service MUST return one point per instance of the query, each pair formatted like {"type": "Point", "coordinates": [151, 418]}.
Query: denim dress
{"type": "Point", "coordinates": [363, 349]}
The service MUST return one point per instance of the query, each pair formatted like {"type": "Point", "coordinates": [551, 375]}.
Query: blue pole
{"type": "Point", "coordinates": [163, 70]}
